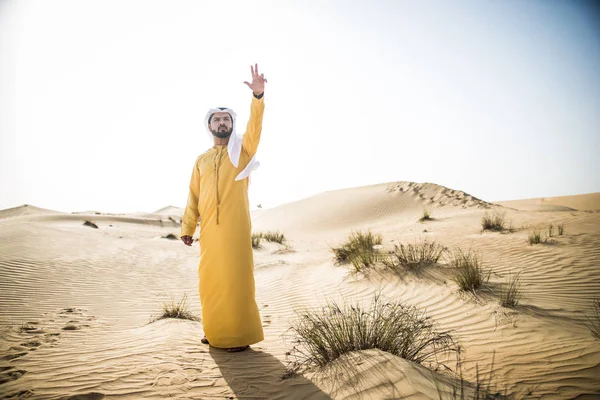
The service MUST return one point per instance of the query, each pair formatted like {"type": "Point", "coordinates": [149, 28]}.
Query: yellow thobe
{"type": "Point", "coordinates": [230, 316]}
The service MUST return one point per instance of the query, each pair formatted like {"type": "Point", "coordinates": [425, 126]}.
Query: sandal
{"type": "Point", "coordinates": [237, 349]}
{"type": "Point", "coordinates": [204, 340]}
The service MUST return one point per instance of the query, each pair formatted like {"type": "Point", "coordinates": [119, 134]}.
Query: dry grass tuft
{"type": "Point", "coordinates": [256, 238]}
{"type": "Point", "coordinates": [469, 273]}
{"type": "Point", "coordinates": [271, 236]}
{"type": "Point", "coordinates": [179, 310]}
{"type": "Point", "coordinates": [411, 256]}
{"type": "Point", "coordinates": [359, 250]}
{"type": "Point", "coordinates": [323, 334]}
{"type": "Point", "coordinates": [426, 215]}
{"type": "Point", "coordinates": [495, 222]}
{"type": "Point", "coordinates": [537, 236]}
{"type": "Point", "coordinates": [594, 320]}
{"type": "Point", "coordinates": [511, 291]}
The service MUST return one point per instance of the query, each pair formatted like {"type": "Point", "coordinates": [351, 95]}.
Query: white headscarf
{"type": "Point", "coordinates": [234, 146]}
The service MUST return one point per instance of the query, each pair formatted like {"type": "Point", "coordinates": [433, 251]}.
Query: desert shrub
{"type": "Point", "coordinates": [272, 236]}
{"type": "Point", "coordinates": [359, 245]}
{"type": "Point", "coordinates": [594, 320]}
{"type": "Point", "coordinates": [469, 274]}
{"type": "Point", "coordinates": [256, 238]}
{"type": "Point", "coordinates": [481, 389]}
{"type": "Point", "coordinates": [410, 255]}
{"type": "Point", "coordinates": [561, 229]}
{"type": "Point", "coordinates": [170, 236]}
{"type": "Point", "coordinates": [494, 222]}
{"type": "Point", "coordinates": [172, 309]}
{"type": "Point", "coordinates": [325, 333]}
{"type": "Point", "coordinates": [364, 260]}
{"type": "Point", "coordinates": [550, 230]}
{"type": "Point", "coordinates": [536, 236]}
{"type": "Point", "coordinates": [510, 294]}
{"type": "Point", "coordinates": [426, 215]}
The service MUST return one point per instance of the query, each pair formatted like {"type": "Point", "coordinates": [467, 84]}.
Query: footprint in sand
{"type": "Point", "coordinates": [71, 327]}
{"type": "Point", "coordinates": [266, 319]}
{"type": "Point", "coordinates": [33, 344]}
{"type": "Point", "coordinates": [23, 394]}
{"type": "Point", "coordinates": [9, 357]}
{"type": "Point", "coordinates": [87, 396]}
{"type": "Point", "coordinates": [8, 375]}
{"type": "Point", "coordinates": [31, 330]}
{"type": "Point", "coordinates": [36, 334]}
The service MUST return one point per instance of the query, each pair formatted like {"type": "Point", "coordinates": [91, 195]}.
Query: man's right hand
{"type": "Point", "coordinates": [188, 240]}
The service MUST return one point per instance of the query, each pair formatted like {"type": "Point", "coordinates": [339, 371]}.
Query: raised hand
{"type": "Point", "coordinates": [258, 81]}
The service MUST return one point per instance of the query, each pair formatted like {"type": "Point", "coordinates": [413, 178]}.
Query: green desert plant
{"type": "Point", "coordinates": [358, 245]}
{"type": "Point", "coordinates": [426, 215]}
{"type": "Point", "coordinates": [170, 236]}
{"type": "Point", "coordinates": [510, 294]}
{"type": "Point", "coordinates": [536, 236]}
{"type": "Point", "coordinates": [494, 222]}
{"type": "Point", "coordinates": [325, 333]}
{"type": "Point", "coordinates": [364, 260]}
{"type": "Point", "coordinates": [594, 320]}
{"type": "Point", "coordinates": [173, 309]}
{"type": "Point", "coordinates": [256, 241]}
{"type": "Point", "coordinates": [410, 255]}
{"type": "Point", "coordinates": [481, 389]}
{"type": "Point", "coordinates": [561, 229]}
{"type": "Point", "coordinates": [550, 230]}
{"type": "Point", "coordinates": [272, 236]}
{"type": "Point", "coordinates": [469, 273]}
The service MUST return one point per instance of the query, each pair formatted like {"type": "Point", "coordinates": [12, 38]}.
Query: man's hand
{"type": "Point", "coordinates": [258, 81]}
{"type": "Point", "coordinates": [188, 240]}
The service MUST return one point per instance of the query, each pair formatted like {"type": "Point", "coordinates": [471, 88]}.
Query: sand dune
{"type": "Point", "coordinates": [582, 202]}
{"type": "Point", "coordinates": [77, 301]}
{"type": "Point", "coordinates": [25, 209]}
{"type": "Point", "coordinates": [383, 205]}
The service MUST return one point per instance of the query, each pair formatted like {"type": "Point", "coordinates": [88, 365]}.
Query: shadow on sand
{"type": "Point", "coordinates": [254, 374]}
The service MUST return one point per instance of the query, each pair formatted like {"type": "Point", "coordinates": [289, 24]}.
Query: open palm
{"type": "Point", "coordinates": [258, 81]}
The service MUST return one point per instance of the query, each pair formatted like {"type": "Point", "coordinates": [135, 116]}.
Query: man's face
{"type": "Point", "coordinates": [221, 125]}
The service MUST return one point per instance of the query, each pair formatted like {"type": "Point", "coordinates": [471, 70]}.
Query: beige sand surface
{"type": "Point", "coordinates": [105, 284]}
{"type": "Point", "coordinates": [582, 202]}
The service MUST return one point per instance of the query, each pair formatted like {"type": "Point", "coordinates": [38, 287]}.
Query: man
{"type": "Point", "coordinates": [218, 197]}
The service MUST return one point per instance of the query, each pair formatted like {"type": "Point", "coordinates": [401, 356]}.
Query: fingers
{"type": "Point", "coordinates": [255, 75]}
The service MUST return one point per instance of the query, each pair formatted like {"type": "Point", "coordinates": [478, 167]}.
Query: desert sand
{"type": "Point", "coordinates": [76, 301]}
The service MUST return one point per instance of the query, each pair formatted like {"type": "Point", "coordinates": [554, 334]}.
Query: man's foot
{"type": "Point", "coordinates": [204, 340]}
{"type": "Point", "coordinates": [236, 349]}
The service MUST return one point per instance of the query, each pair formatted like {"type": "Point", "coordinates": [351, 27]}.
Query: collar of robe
{"type": "Point", "coordinates": [234, 146]}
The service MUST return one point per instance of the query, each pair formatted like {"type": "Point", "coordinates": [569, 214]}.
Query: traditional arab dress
{"type": "Point", "coordinates": [218, 198]}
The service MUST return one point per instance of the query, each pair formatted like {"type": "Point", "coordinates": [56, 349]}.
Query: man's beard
{"type": "Point", "coordinates": [222, 133]}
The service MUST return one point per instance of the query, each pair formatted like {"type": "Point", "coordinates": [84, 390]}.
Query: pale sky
{"type": "Point", "coordinates": [102, 102]}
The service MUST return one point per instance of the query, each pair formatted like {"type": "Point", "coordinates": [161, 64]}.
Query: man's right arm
{"type": "Point", "coordinates": [191, 213]}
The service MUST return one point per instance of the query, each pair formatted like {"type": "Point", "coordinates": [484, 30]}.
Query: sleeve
{"type": "Point", "coordinates": [254, 127]}
{"type": "Point", "coordinates": [191, 213]}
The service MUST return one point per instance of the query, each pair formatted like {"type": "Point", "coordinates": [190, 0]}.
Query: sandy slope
{"type": "Point", "coordinates": [105, 284]}
{"type": "Point", "coordinates": [582, 202]}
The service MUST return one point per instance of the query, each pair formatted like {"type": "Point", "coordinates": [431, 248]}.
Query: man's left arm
{"type": "Point", "coordinates": [254, 127]}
